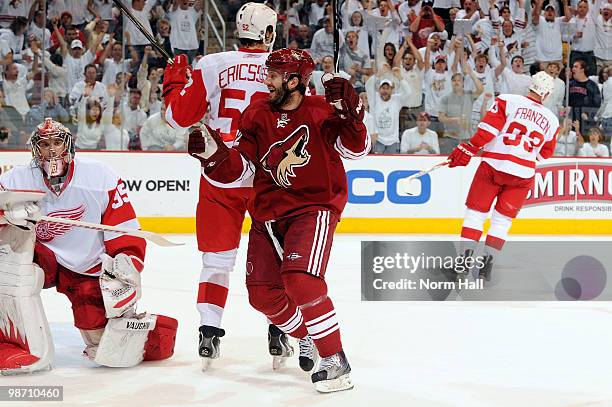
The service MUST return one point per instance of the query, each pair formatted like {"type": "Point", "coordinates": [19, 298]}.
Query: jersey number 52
{"type": "Point", "coordinates": [234, 113]}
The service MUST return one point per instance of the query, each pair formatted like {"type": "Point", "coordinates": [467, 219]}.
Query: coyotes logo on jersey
{"type": "Point", "coordinates": [286, 155]}
{"type": "Point", "coordinates": [47, 231]}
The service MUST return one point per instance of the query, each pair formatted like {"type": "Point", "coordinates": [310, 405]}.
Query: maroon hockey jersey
{"type": "Point", "coordinates": [293, 156]}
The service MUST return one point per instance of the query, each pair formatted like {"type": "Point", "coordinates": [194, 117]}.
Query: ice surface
{"type": "Point", "coordinates": [416, 354]}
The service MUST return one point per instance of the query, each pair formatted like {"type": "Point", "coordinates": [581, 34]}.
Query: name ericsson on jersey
{"type": "Point", "coordinates": [242, 72]}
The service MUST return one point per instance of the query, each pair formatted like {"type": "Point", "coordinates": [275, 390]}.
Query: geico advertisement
{"type": "Point", "coordinates": [375, 189]}
{"type": "Point", "coordinates": [166, 185]}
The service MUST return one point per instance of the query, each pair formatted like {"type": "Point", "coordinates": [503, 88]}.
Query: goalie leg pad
{"type": "Point", "coordinates": [161, 340]}
{"type": "Point", "coordinates": [123, 341]}
{"type": "Point", "coordinates": [25, 340]}
{"type": "Point", "coordinates": [86, 298]}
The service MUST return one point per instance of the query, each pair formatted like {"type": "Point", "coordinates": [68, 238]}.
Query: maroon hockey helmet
{"type": "Point", "coordinates": [292, 62]}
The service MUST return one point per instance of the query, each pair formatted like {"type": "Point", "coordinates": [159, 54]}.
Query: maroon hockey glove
{"type": "Point", "coordinates": [462, 154]}
{"type": "Point", "coordinates": [176, 76]}
{"type": "Point", "coordinates": [196, 145]}
{"type": "Point", "coordinates": [341, 94]}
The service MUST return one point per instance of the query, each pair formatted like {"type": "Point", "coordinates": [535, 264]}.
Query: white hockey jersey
{"type": "Point", "coordinates": [229, 82]}
{"type": "Point", "coordinates": [93, 193]}
{"type": "Point", "coordinates": [515, 132]}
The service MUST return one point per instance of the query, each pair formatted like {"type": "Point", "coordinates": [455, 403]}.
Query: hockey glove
{"type": "Point", "coordinates": [206, 145]}
{"type": "Point", "coordinates": [120, 283]}
{"type": "Point", "coordinates": [462, 154]}
{"type": "Point", "coordinates": [19, 214]}
{"type": "Point", "coordinates": [176, 77]}
{"type": "Point", "coordinates": [340, 93]}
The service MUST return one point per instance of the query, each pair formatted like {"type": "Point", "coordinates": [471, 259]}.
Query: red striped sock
{"type": "Point", "coordinates": [290, 320]}
{"type": "Point", "coordinates": [322, 325]}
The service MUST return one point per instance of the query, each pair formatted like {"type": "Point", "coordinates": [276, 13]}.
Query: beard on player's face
{"type": "Point", "coordinates": [277, 94]}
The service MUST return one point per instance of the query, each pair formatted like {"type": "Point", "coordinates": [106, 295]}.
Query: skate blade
{"type": "Point", "coordinates": [279, 362]}
{"type": "Point", "coordinates": [339, 384]}
{"type": "Point", "coordinates": [206, 364]}
{"type": "Point", "coordinates": [25, 370]}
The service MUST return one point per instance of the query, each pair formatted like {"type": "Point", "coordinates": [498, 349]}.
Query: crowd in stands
{"type": "Point", "coordinates": [427, 70]}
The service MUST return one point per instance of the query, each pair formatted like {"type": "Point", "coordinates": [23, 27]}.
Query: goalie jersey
{"type": "Point", "coordinates": [92, 192]}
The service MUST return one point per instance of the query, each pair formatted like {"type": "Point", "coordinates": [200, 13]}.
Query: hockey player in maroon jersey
{"type": "Point", "coordinates": [228, 82]}
{"type": "Point", "coordinates": [291, 145]}
{"type": "Point", "coordinates": [516, 132]}
{"type": "Point", "coordinates": [98, 271]}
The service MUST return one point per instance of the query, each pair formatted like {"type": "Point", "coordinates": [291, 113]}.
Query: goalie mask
{"type": "Point", "coordinates": [256, 21]}
{"type": "Point", "coordinates": [52, 147]}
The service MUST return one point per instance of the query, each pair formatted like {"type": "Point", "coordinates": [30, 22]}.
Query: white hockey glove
{"type": "Point", "coordinates": [20, 213]}
{"type": "Point", "coordinates": [120, 284]}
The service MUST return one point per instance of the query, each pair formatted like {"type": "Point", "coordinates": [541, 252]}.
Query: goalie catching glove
{"type": "Point", "coordinates": [340, 93]}
{"type": "Point", "coordinates": [462, 154]}
{"type": "Point", "coordinates": [206, 145]}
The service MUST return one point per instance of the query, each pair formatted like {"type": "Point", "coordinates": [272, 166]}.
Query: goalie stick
{"type": "Point", "coordinates": [153, 237]}
{"type": "Point", "coordinates": [15, 195]}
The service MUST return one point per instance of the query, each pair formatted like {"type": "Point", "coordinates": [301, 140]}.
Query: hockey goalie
{"type": "Point", "coordinates": [98, 271]}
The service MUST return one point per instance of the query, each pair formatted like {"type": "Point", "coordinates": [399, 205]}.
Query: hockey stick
{"type": "Point", "coordinates": [406, 184]}
{"type": "Point", "coordinates": [154, 237]}
{"type": "Point", "coordinates": [143, 30]}
{"type": "Point", "coordinates": [337, 25]}
{"type": "Point", "coordinates": [22, 195]}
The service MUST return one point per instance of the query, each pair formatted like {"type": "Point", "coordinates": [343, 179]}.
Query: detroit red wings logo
{"type": "Point", "coordinates": [284, 156]}
{"type": "Point", "coordinates": [47, 231]}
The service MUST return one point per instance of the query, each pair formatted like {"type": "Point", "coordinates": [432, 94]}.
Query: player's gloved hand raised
{"type": "Point", "coordinates": [462, 154]}
{"type": "Point", "coordinates": [176, 75]}
{"type": "Point", "coordinates": [19, 214]}
{"type": "Point", "coordinates": [340, 93]}
{"type": "Point", "coordinates": [204, 143]}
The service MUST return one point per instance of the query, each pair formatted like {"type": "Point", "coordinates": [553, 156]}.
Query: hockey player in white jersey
{"type": "Point", "coordinates": [227, 82]}
{"type": "Point", "coordinates": [98, 271]}
{"type": "Point", "coordinates": [516, 132]}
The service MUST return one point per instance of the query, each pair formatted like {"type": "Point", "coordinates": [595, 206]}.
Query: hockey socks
{"type": "Point", "coordinates": [317, 310]}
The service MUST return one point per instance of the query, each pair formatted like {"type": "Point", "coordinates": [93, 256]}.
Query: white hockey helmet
{"type": "Point", "coordinates": [542, 84]}
{"type": "Point", "coordinates": [254, 20]}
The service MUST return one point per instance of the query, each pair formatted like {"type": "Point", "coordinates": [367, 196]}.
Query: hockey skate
{"type": "Point", "coordinates": [333, 374]}
{"type": "Point", "coordinates": [210, 346]}
{"type": "Point", "coordinates": [464, 271]}
{"type": "Point", "coordinates": [308, 354]}
{"type": "Point", "coordinates": [484, 272]}
{"type": "Point", "coordinates": [279, 347]}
